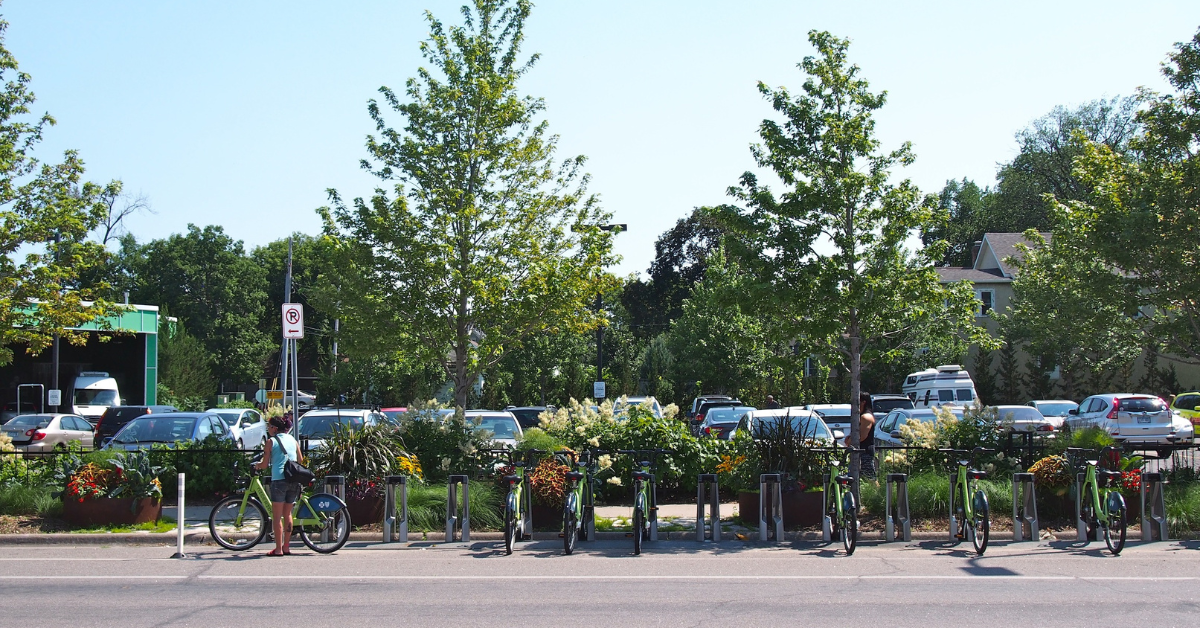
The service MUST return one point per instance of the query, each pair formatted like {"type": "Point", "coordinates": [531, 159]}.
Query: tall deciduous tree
{"type": "Point", "coordinates": [206, 279]}
{"type": "Point", "coordinates": [484, 239]}
{"type": "Point", "coordinates": [1141, 224]}
{"type": "Point", "coordinates": [46, 213]}
{"type": "Point", "coordinates": [868, 298]}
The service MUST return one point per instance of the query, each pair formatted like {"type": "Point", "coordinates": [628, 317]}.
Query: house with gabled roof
{"type": "Point", "coordinates": [991, 272]}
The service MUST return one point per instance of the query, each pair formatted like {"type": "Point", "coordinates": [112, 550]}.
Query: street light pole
{"type": "Point", "coordinates": [618, 228]}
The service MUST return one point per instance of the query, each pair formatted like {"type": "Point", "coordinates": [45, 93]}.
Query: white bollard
{"type": "Point", "coordinates": [180, 520]}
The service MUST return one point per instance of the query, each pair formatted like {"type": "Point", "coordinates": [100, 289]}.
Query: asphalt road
{"type": "Point", "coordinates": [924, 584]}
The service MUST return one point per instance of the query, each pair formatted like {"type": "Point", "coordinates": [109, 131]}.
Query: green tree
{"type": "Point", "coordinates": [1141, 223]}
{"type": "Point", "coordinates": [46, 214]}
{"type": "Point", "coordinates": [218, 293]}
{"type": "Point", "coordinates": [1047, 148]}
{"type": "Point", "coordinates": [714, 341]}
{"type": "Point", "coordinates": [185, 365]}
{"type": "Point", "coordinates": [310, 257]}
{"type": "Point", "coordinates": [484, 240]}
{"type": "Point", "coordinates": [868, 298]}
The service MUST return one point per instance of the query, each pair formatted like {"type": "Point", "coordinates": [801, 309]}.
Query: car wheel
{"type": "Point", "coordinates": [239, 444]}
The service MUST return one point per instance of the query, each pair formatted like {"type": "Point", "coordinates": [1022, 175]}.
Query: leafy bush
{"type": "Point", "coordinates": [16, 499]}
{"type": "Point", "coordinates": [548, 481]}
{"type": "Point", "coordinates": [537, 438]}
{"type": "Point", "coordinates": [1183, 508]}
{"type": "Point", "coordinates": [212, 466]}
{"type": "Point", "coordinates": [442, 445]}
{"type": "Point", "coordinates": [124, 474]}
{"type": "Point", "coordinates": [929, 496]}
{"type": "Point", "coordinates": [365, 456]}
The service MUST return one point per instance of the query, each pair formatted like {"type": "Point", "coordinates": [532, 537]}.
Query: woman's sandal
{"type": "Point", "coordinates": [276, 552]}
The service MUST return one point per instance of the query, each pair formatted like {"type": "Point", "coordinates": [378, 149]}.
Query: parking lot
{"type": "Point", "coordinates": [673, 583]}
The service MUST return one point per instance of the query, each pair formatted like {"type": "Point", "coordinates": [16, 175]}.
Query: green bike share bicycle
{"type": "Point", "coordinates": [645, 497]}
{"type": "Point", "coordinates": [841, 508]}
{"type": "Point", "coordinates": [579, 508]}
{"type": "Point", "coordinates": [239, 522]}
{"type": "Point", "coordinates": [1100, 502]}
{"type": "Point", "coordinates": [968, 502]}
{"type": "Point", "coordinates": [518, 505]}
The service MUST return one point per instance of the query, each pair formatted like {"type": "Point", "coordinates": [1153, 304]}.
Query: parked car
{"type": "Point", "coordinates": [1133, 419]}
{"type": "Point", "coordinates": [527, 416]}
{"type": "Point", "coordinates": [1025, 419]}
{"type": "Point", "coordinates": [883, 404]}
{"type": "Point", "coordinates": [168, 428]}
{"type": "Point", "coordinates": [503, 426]}
{"type": "Point", "coordinates": [705, 406]}
{"type": "Point", "coordinates": [116, 417]}
{"type": "Point", "coordinates": [887, 430]}
{"type": "Point", "coordinates": [314, 427]}
{"type": "Point", "coordinates": [946, 385]}
{"type": "Point", "coordinates": [835, 415]}
{"type": "Point", "coordinates": [393, 414]}
{"type": "Point", "coordinates": [1054, 409]}
{"type": "Point", "coordinates": [691, 413]}
{"type": "Point", "coordinates": [757, 422]}
{"type": "Point", "coordinates": [247, 426]}
{"type": "Point", "coordinates": [45, 432]}
{"type": "Point", "coordinates": [722, 422]}
{"type": "Point", "coordinates": [621, 406]}
{"type": "Point", "coordinates": [1187, 405]}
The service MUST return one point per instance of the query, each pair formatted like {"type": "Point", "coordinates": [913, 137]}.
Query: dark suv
{"type": "Point", "coordinates": [116, 417]}
{"type": "Point", "coordinates": [527, 416]}
{"type": "Point", "coordinates": [883, 404]}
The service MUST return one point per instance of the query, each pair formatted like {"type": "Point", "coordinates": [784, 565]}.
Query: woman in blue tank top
{"type": "Point", "coordinates": [280, 448]}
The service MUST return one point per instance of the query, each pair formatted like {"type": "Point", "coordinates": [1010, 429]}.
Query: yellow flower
{"type": "Point", "coordinates": [614, 481]}
{"type": "Point", "coordinates": [604, 461]}
{"type": "Point", "coordinates": [594, 441]}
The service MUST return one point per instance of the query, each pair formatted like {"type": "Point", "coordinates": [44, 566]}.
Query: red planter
{"type": "Point", "coordinates": [109, 511]}
{"type": "Point", "coordinates": [366, 511]}
{"type": "Point", "coordinates": [800, 508]}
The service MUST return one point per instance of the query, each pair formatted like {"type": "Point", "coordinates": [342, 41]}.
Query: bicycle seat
{"type": "Point", "coordinates": [1108, 475]}
{"type": "Point", "coordinates": [976, 475]}
{"type": "Point", "coordinates": [642, 475]}
{"type": "Point", "coordinates": [964, 463]}
{"type": "Point", "coordinates": [512, 479]}
{"type": "Point", "coordinates": [574, 476]}
{"type": "Point", "coordinates": [843, 479]}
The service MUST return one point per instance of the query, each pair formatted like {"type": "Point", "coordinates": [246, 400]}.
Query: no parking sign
{"type": "Point", "coordinates": [293, 320]}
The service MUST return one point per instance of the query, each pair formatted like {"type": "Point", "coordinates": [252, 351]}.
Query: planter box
{"type": "Point", "coordinates": [366, 511]}
{"type": "Point", "coordinates": [109, 511]}
{"type": "Point", "coordinates": [800, 508]}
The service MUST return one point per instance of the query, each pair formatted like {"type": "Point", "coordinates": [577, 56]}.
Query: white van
{"type": "Point", "coordinates": [95, 392]}
{"type": "Point", "coordinates": [947, 385]}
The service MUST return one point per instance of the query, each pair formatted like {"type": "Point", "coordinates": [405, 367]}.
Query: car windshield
{"type": "Point", "coordinates": [319, 426]}
{"type": "Point", "coordinates": [1142, 404]}
{"type": "Point", "coordinates": [156, 430]}
{"type": "Point", "coordinates": [91, 397]}
{"type": "Point", "coordinates": [727, 415]}
{"type": "Point", "coordinates": [887, 405]}
{"type": "Point", "coordinates": [230, 418]}
{"type": "Point", "coordinates": [27, 421]}
{"type": "Point", "coordinates": [527, 417]}
{"type": "Point", "coordinates": [1057, 408]}
{"type": "Point", "coordinates": [394, 415]}
{"type": "Point", "coordinates": [804, 425]}
{"type": "Point", "coordinates": [834, 414]}
{"type": "Point", "coordinates": [499, 425]}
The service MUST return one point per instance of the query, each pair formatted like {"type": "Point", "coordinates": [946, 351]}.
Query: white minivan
{"type": "Point", "coordinates": [946, 385]}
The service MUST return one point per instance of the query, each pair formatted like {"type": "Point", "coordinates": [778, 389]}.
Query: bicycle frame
{"type": "Point", "coordinates": [1111, 501]}
{"type": "Point", "coordinates": [302, 505]}
{"type": "Point", "coordinates": [579, 497]}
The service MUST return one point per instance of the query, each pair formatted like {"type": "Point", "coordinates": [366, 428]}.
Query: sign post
{"type": "Point", "coordinates": [598, 390]}
{"type": "Point", "coordinates": [53, 398]}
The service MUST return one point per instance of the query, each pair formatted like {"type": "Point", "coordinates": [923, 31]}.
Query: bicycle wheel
{"type": "Point", "coordinates": [959, 513]}
{"type": "Point", "coordinates": [638, 523]}
{"type": "Point", "coordinates": [331, 534]}
{"type": "Point", "coordinates": [1114, 532]}
{"type": "Point", "coordinates": [570, 525]}
{"type": "Point", "coordinates": [849, 523]}
{"type": "Point", "coordinates": [1087, 511]}
{"type": "Point", "coordinates": [235, 529]}
{"type": "Point", "coordinates": [510, 525]}
{"type": "Point", "coordinates": [982, 524]}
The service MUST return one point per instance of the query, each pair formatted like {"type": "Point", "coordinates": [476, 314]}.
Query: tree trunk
{"type": "Point", "coordinates": [855, 406]}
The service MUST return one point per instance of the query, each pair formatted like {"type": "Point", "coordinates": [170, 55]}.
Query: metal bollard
{"type": "Point", "coordinates": [769, 490]}
{"type": "Point", "coordinates": [1025, 517]}
{"type": "Point", "coordinates": [181, 520]}
{"type": "Point", "coordinates": [1081, 531]}
{"type": "Point", "coordinates": [452, 520]}
{"type": "Point", "coordinates": [653, 509]}
{"type": "Point", "coordinates": [336, 485]}
{"type": "Point", "coordinates": [707, 491]}
{"type": "Point", "coordinates": [953, 520]}
{"type": "Point", "coordinates": [896, 492]}
{"type": "Point", "coordinates": [589, 509]}
{"type": "Point", "coordinates": [395, 524]}
{"type": "Point", "coordinates": [1154, 507]}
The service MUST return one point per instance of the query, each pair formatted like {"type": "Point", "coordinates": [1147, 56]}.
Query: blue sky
{"type": "Point", "coordinates": [242, 113]}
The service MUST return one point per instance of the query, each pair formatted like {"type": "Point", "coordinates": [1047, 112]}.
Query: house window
{"type": "Point", "coordinates": [810, 366]}
{"type": "Point", "coordinates": [987, 301]}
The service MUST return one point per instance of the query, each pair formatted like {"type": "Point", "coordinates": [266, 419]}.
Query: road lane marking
{"type": "Point", "coordinates": [700, 577]}
{"type": "Point", "coordinates": [115, 577]}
